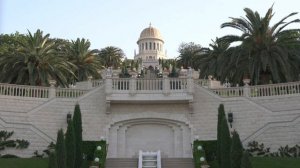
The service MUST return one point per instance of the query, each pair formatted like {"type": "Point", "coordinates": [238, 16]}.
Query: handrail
{"type": "Point", "coordinates": [69, 93]}
{"type": "Point", "coordinates": [275, 89]}
{"type": "Point", "coordinates": [24, 90]}
{"type": "Point", "coordinates": [229, 92]}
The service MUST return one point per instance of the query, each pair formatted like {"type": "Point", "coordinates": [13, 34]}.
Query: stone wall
{"type": "Point", "coordinates": [273, 120]}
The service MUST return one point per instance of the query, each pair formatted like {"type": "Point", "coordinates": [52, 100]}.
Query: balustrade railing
{"type": "Point", "coordinates": [69, 93]}
{"type": "Point", "coordinates": [96, 83]}
{"type": "Point", "coordinates": [125, 84]}
{"type": "Point", "coordinates": [260, 90]}
{"type": "Point", "coordinates": [24, 91]}
{"type": "Point", "coordinates": [149, 84]}
{"type": "Point", "coordinates": [275, 89]}
{"type": "Point", "coordinates": [201, 82]}
{"type": "Point", "coordinates": [229, 92]}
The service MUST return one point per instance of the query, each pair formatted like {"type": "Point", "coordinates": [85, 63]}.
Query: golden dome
{"type": "Point", "coordinates": [150, 33]}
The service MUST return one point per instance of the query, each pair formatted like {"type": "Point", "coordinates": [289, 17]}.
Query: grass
{"type": "Point", "coordinates": [270, 162]}
{"type": "Point", "coordinates": [256, 163]}
{"type": "Point", "coordinates": [23, 163]}
{"type": "Point", "coordinates": [28, 163]}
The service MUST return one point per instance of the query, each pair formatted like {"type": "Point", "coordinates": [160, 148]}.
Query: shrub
{"type": "Point", "coordinates": [78, 136]}
{"type": "Point", "coordinates": [70, 145]}
{"type": "Point", "coordinates": [60, 149]}
{"type": "Point", "coordinates": [236, 151]}
{"type": "Point", "coordinates": [198, 154]}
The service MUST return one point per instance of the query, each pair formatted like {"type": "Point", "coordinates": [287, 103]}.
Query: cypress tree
{"type": "Point", "coordinates": [225, 145]}
{"type": "Point", "coordinates": [70, 145]}
{"type": "Point", "coordinates": [52, 160]}
{"type": "Point", "coordinates": [236, 151]}
{"type": "Point", "coordinates": [78, 136]}
{"type": "Point", "coordinates": [221, 114]}
{"type": "Point", "coordinates": [246, 163]}
{"type": "Point", "coordinates": [60, 150]}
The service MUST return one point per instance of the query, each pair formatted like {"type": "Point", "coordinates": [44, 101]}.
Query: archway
{"type": "Point", "coordinates": [171, 137]}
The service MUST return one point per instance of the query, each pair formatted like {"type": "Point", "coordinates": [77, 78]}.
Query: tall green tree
{"type": "Point", "coordinates": [246, 163]}
{"type": "Point", "coordinates": [221, 115]}
{"type": "Point", "coordinates": [77, 122]}
{"type": "Point", "coordinates": [52, 160]}
{"type": "Point", "coordinates": [265, 52]}
{"type": "Point", "coordinates": [70, 145]}
{"type": "Point", "coordinates": [225, 145]}
{"type": "Point", "coordinates": [111, 56]}
{"type": "Point", "coordinates": [188, 53]}
{"type": "Point", "coordinates": [60, 149]}
{"type": "Point", "coordinates": [236, 151]}
{"type": "Point", "coordinates": [85, 59]}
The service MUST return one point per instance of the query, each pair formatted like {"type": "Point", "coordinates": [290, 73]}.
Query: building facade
{"type": "Point", "coordinates": [165, 114]}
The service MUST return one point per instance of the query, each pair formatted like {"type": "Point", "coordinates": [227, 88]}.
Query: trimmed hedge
{"type": "Point", "coordinates": [89, 147]}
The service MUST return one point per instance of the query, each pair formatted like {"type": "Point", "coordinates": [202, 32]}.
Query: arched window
{"type": "Point", "coordinates": [146, 46]}
{"type": "Point", "coordinates": [154, 46]}
{"type": "Point", "coordinates": [157, 46]}
{"type": "Point", "coordinates": [143, 46]}
{"type": "Point", "coordinates": [150, 46]}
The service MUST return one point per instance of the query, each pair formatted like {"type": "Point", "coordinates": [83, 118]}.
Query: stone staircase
{"type": "Point", "coordinates": [133, 163]}
{"type": "Point", "coordinates": [177, 163]}
{"type": "Point", "coordinates": [121, 163]}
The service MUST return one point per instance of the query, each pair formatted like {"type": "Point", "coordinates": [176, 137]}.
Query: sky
{"type": "Point", "coordinates": [119, 22]}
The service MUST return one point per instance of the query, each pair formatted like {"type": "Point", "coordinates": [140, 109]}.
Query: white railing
{"type": "Point", "coordinates": [120, 83]}
{"type": "Point", "coordinates": [69, 93]}
{"type": "Point", "coordinates": [96, 83]}
{"type": "Point", "coordinates": [260, 90]}
{"type": "Point", "coordinates": [275, 89]}
{"type": "Point", "coordinates": [201, 82]}
{"type": "Point", "coordinates": [229, 92]}
{"type": "Point", "coordinates": [149, 84]}
{"type": "Point", "coordinates": [149, 159]}
{"type": "Point", "coordinates": [24, 91]}
{"type": "Point", "coordinates": [178, 84]}
{"type": "Point", "coordinates": [159, 84]}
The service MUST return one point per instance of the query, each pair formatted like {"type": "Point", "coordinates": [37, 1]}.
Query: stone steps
{"type": "Point", "coordinates": [177, 163]}
{"type": "Point", "coordinates": [133, 163]}
{"type": "Point", "coordinates": [121, 163]}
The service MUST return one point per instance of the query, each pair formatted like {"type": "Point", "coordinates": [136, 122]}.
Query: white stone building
{"type": "Point", "coordinates": [150, 47]}
{"type": "Point", "coordinates": [164, 114]}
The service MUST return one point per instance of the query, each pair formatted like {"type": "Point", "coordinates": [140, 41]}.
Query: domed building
{"type": "Point", "coordinates": [151, 47]}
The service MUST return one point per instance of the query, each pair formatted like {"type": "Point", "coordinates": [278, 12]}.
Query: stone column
{"type": "Point", "coordinates": [246, 88]}
{"type": "Point", "coordinates": [52, 90]}
{"type": "Point", "coordinates": [89, 82]}
{"type": "Point", "coordinates": [132, 86]}
{"type": "Point", "coordinates": [166, 85]}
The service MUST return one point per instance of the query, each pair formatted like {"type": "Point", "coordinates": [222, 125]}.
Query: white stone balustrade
{"type": "Point", "coordinates": [24, 91]}
{"type": "Point", "coordinates": [69, 93]}
{"type": "Point", "coordinates": [260, 90]}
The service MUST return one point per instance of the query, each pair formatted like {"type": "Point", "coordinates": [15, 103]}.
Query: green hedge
{"type": "Point", "coordinates": [89, 147]}
{"type": "Point", "coordinates": [209, 151]}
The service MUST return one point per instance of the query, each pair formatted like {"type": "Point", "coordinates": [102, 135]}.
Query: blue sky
{"type": "Point", "coordinates": [119, 22]}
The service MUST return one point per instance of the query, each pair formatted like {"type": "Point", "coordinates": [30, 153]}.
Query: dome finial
{"type": "Point", "coordinates": [150, 24]}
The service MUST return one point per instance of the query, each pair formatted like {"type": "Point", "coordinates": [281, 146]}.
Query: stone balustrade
{"type": "Point", "coordinates": [260, 90]}
{"type": "Point", "coordinates": [24, 90]}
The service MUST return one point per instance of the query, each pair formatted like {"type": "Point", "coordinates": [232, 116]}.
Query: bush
{"type": "Point", "coordinates": [9, 156]}
{"type": "Point", "coordinates": [89, 147]}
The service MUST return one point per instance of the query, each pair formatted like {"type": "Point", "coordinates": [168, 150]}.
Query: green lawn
{"type": "Point", "coordinates": [256, 163]}
{"type": "Point", "coordinates": [28, 163]}
{"type": "Point", "coordinates": [24, 163]}
{"type": "Point", "coordinates": [260, 162]}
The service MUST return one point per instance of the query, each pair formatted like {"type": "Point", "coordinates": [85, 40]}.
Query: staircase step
{"type": "Point", "coordinates": [177, 163]}
{"type": "Point", "coordinates": [121, 163]}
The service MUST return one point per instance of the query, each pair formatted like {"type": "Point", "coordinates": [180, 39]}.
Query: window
{"type": "Point", "coordinates": [154, 46]}
{"type": "Point", "coordinates": [157, 46]}
{"type": "Point", "coordinates": [150, 46]}
{"type": "Point", "coordinates": [146, 46]}
{"type": "Point", "coordinates": [143, 46]}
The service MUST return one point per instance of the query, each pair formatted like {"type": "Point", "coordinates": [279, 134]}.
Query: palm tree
{"type": "Point", "coordinates": [214, 60]}
{"type": "Point", "coordinates": [36, 62]}
{"type": "Point", "coordinates": [266, 53]}
{"type": "Point", "coordinates": [85, 59]}
{"type": "Point", "coordinates": [111, 56]}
